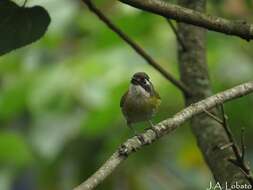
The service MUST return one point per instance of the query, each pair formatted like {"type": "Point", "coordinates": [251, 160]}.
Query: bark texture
{"type": "Point", "coordinates": [194, 73]}
{"type": "Point", "coordinates": [161, 7]}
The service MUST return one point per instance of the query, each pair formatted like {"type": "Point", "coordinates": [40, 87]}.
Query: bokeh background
{"type": "Point", "coordinates": [59, 100]}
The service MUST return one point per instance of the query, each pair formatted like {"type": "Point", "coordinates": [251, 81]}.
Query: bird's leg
{"type": "Point", "coordinates": [152, 127]}
{"type": "Point", "coordinates": [139, 136]}
{"type": "Point", "coordinates": [131, 127]}
{"type": "Point", "coordinates": [150, 123]}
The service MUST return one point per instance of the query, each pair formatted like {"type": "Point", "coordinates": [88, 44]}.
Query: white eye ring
{"type": "Point", "coordinates": [145, 81]}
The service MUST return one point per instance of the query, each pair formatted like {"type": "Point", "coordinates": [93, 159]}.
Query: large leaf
{"type": "Point", "coordinates": [20, 26]}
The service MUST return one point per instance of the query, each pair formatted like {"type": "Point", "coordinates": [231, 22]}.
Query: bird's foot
{"type": "Point", "coordinates": [154, 130]}
{"type": "Point", "coordinates": [140, 138]}
{"type": "Point", "coordinates": [123, 151]}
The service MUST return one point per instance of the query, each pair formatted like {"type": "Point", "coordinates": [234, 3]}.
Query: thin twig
{"type": "Point", "coordinates": [244, 163]}
{"type": "Point", "coordinates": [225, 146]}
{"type": "Point", "coordinates": [239, 161]}
{"type": "Point", "coordinates": [24, 4]}
{"type": "Point", "coordinates": [179, 39]}
{"type": "Point", "coordinates": [243, 147]}
{"type": "Point", "coordinates": [213, 117]}
{"type": "Point", "coordinates": [136, 47]}
{"type": "Point", "coordinates": [165, 127]}
{"type": "Point", "coordinates": [230, 134]}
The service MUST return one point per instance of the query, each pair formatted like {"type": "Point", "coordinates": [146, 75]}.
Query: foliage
{"type": "Point", "coordinates": [20, 26]}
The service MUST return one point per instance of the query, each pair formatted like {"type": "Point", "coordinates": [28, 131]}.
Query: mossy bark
{"type": "Point", "coordinates": [194, 74]}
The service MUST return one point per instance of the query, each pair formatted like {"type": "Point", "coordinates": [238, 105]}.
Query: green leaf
{"type": "Point", "coordinates": [13, 149]}
{"type": "Point", "coordinates": [20, 26]}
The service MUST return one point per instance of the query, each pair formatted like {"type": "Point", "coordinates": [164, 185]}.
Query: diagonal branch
{"type": "Point", "coordinates": [237, 28]}
{"type": "Point", "coordinates": [230, 134]}
{"type": "Point", "coordinates": [136, 47]}
{"type": "Point", "coordinates": [179, 39]}
{"type": "Point", "coordinates": [239, 159]}
{"type": "Point", "coordinates": [161, 129]}
{"type": "Point", "coordinates": [24, 4]}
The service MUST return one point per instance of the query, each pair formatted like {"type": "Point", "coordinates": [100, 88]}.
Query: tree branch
{"type": "Point", "coordinates": [239, 159]}
{"type": "Point", "coordinates": [230, 134]}
{"type": "Point", "coordinates": [179, 39]}
{"type": "Point", "coordinates": [162, 128]}
{"type": "Point", "coordinates": [237, 28]}
{"type": "Point", "coordinates": [136, 47]}
{"type": "Point", "coordinates": [214, 117]}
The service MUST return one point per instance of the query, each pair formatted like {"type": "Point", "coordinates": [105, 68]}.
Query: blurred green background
{"type": "Point", "coordinates": [59, 100]}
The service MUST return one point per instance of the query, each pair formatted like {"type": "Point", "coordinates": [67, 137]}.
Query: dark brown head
{"type": "Point", "coordinates": [142, 79]}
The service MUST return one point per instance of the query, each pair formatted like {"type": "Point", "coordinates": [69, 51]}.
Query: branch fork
{"type": "Point", "coordinates": [165, 127]}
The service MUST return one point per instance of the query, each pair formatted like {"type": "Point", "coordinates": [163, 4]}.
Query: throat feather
{"type": "Point", "coordinates": [137, 91]}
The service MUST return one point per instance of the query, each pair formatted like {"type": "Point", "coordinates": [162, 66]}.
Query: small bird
{"type": "Point", "coordinates": [141, 101]}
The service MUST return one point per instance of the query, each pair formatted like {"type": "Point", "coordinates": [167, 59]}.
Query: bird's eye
{"type": "Point", "coordinates": [144, 81]}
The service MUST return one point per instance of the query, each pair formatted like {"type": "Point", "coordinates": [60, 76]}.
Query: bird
{"type": "Point", "coordinates": [141, 101]}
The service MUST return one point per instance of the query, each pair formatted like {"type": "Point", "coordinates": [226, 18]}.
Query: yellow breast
{"type": "Point", "coordinates": [137, 109]}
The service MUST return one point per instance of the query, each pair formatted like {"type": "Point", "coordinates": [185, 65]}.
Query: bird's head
{"type": "Point", "coordinates": [140, 84]}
